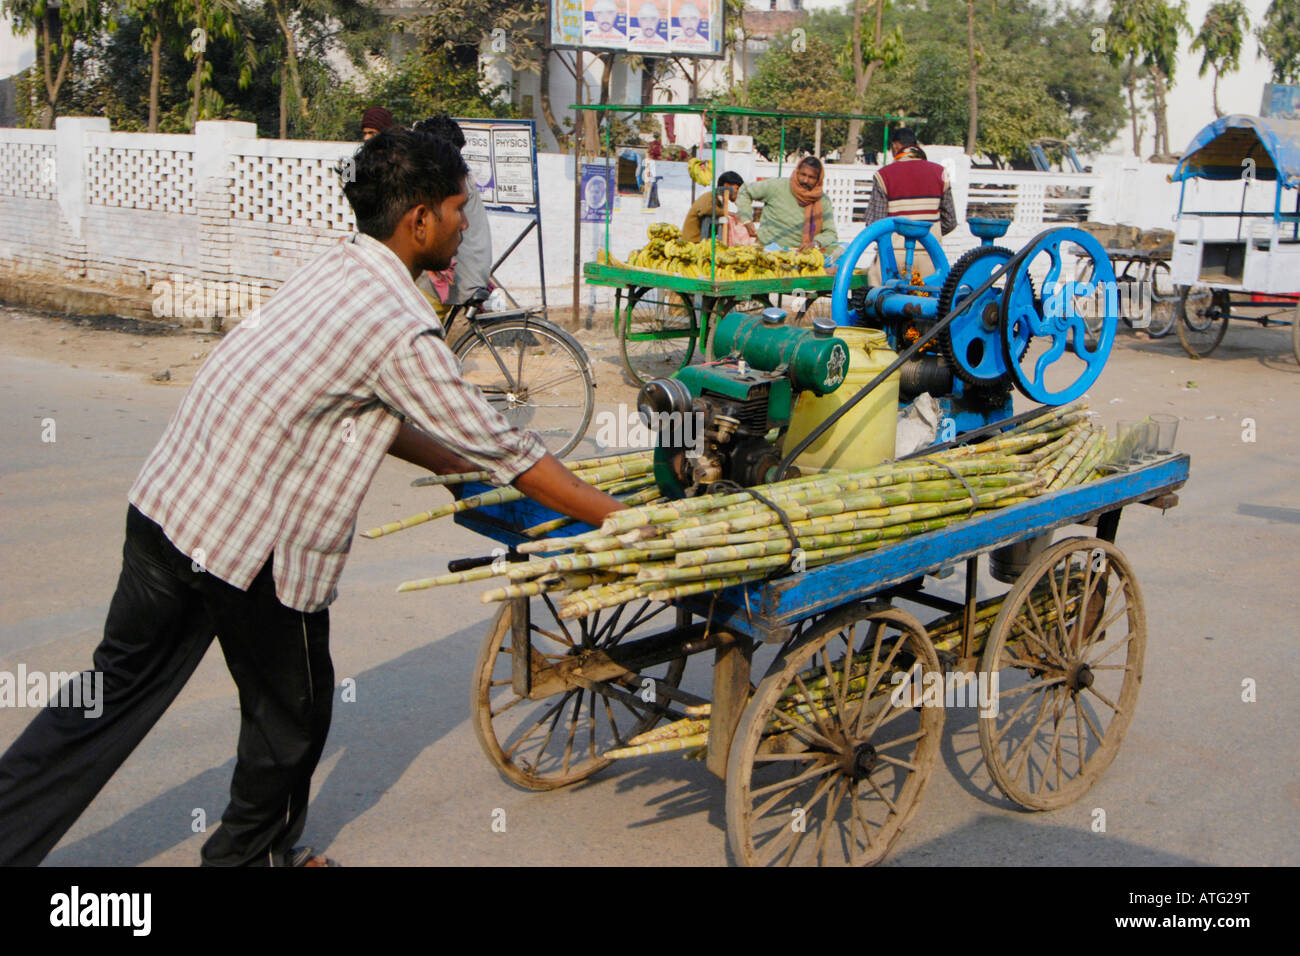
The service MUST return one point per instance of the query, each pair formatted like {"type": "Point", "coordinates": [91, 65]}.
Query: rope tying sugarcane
{"type": "Point", "coordinates": [733, 488]}
{"type": "Point", "coordinates": [974, 501]}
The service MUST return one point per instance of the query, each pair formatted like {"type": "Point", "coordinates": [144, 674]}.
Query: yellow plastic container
{"type": "Point", "coordinates": [865, 435]}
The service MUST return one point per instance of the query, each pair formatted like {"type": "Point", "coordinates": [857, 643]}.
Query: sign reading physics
{"type": "Point", "coordinates": [501, 156]}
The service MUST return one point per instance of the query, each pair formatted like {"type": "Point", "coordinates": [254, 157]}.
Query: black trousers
{"type": "Point", "coordinates": [162, 619]}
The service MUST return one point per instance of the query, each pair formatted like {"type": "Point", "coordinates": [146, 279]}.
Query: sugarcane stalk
{"type": "Point", "coordinates": [659, 747]}
{"type": "Point", "coordinates": [582, 464]}
{"type": "Point", "coordinates": [698, 587]}
{"type": "Point", "coordinates": [1063, 477]}
{"type": "Point", "coordinates": [881, 498]}
{"type": "Point", "coordinates": [455, 577]}
{"type": "Point", "coordinates": [688, 727]}
{"type": "Point", "coordinates": [542, 585]}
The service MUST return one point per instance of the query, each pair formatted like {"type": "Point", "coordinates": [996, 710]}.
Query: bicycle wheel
{"type": "Point", "coordinates": [657, 333]}
{"type": "Point", "coordinates": [1164, 300]}
{"type": "Point", "coordinates": [1094, 318]}
{"type": "Point", "coordinates": [534, 374]}
{"type": "Point", "coordinates": [1202, 321]}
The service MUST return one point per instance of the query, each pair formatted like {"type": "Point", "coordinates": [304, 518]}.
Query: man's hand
{"type": "Point", "coordinates": [753, 229]}
{"type": "Point", "coordinates": [549, 483]}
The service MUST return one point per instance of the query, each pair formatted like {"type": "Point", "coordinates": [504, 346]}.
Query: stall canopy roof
{"type": "Point", "coordinates": [1219, 151]}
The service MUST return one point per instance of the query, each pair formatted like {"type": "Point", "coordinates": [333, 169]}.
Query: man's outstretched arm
{"type": "Point", "coordinates": [547, 482]}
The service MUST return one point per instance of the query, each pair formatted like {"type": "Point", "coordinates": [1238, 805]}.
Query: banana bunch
{"type": "Point", "coordinates": [700, 170]}
{"type": "Point", "coordinates": [667, 252]}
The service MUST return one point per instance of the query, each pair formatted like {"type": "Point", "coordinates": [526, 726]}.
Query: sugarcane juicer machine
{"type": "Point", "coordinates": [1007, 332]}
{"type": "Point", "coordinates": [966, 334]}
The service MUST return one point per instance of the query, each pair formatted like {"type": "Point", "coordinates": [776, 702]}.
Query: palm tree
{"type": "Point", "coordinates": [1143, 35]}
{"type": "Point", "coordinates": [1279, 40]}
{"type": "Point", "coordinates": [1220, 37]}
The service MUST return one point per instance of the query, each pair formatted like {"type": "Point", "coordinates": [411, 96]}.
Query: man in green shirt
{"type": "Point", "coordinates": [796, 212]}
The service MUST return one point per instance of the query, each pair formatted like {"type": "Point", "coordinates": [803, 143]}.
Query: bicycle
{"type": "Point", "coordinates": [530, 370]}
{"type": "Point", "coordinates": [1152, 277]}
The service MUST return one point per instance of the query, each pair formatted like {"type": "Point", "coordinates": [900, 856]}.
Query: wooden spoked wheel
{"type": "Point", "coordinates": [1064, 658]}
{"type": "Point", "coordinates": [831, 755]}
{"type": "Point", "coordinates": [557, 731]}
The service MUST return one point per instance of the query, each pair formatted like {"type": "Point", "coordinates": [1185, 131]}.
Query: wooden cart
{"type": "Point", "coordinates": [1054, 665]}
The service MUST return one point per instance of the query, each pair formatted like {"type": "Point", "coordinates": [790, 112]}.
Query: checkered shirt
{"type": "Point", "coordinates": [274, 444]}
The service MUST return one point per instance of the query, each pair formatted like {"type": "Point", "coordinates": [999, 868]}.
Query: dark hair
{"type": "Point", "coordinates": [730, 178]}
{"type": "Point", "coordinates": [396, 170]}
{"type": "Point", "coordinates": [904, 137]}
{"type": "Point", "coordinates": [443, 126]}
{"type": "Point", "coordinates": [812, 161]}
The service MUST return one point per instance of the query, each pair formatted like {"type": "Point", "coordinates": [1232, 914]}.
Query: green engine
{"type": "Point", "coordinates": [715, 422]}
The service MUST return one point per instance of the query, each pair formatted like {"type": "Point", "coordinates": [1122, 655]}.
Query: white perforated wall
{"type": "Point", "coordinates": [161, 180]}
{"type": "Point", "coordinates": [291, 191]}
{"type": "Point", "coordinates": [28, 170]}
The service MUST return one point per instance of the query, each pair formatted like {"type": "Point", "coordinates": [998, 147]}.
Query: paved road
{"type": "Point", "coordinates": [1203, 778]}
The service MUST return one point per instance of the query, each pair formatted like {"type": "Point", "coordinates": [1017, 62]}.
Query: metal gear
{"type": "Point", "coordinates": [971, 344]}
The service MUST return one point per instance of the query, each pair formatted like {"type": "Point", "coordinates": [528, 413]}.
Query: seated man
{"type": "Point", "coordinates": [796, 213]}
{"type": "Point", "coordinates": [729, 184]}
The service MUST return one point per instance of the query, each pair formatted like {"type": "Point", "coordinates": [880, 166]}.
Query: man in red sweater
{"type": "Point", "coordinates": [914, 187]}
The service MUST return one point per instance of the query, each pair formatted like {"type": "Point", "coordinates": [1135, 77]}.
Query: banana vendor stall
{"type": "Point", "coordinates": [669, 294]}
{"type": "Point", "coordinates": [825, 587]}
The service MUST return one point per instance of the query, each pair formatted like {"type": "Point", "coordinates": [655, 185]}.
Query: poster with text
{"type": "Point", "coordinates": [648, 27]}
{"type": "Point", "coordinates": [512, 164]}
{"type": "Point", "coordinates": [605, 23]}
{"type": "Point", "coordinates": [566, 22]}
{"type": "Point", "coordinates": [689, 29]}
{"type": "Point", "coordinates": [478, 157]}
{"type": "Point", "coordinates": [597, 191]}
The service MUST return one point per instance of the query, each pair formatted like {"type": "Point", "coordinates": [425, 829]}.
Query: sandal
{"type": "Point", "coordinates": [306, 856]}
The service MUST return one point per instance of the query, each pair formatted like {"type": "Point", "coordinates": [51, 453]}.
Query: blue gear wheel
{"type": "Point", "coordinates": [1050, 313]}
{"type": "Point", "coordinates": [972, 343]}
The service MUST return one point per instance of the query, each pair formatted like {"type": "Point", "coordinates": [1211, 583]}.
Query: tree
{"type": "Point", "coordinates": [1038, 77]}
{"type": "Point", "coordinates": [1220, 38]}
{"type": "Point", "coordinates": [207, 20]}
{"type": "Point", "coordinates": [58, 28]}
{"type": "Point", "coordinates": [1143, 34]}
{"type": "Point", "coordinates": [317, 24]}
{"type": "Point", "coordinates": [510, 30]}
{"type": "Point", "coordinates": [870, 49]}
{"type": "Point", "coordinates": [807, 80]}
{"type": "Point", "coordinates": [1279, 40]}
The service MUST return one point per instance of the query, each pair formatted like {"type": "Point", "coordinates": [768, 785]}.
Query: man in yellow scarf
{"type": "Point", "coordinates": [796, 212]}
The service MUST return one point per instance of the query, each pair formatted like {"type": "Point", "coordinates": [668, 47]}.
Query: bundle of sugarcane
{"type": "Point", "coordinates": [696, 545]}
{"type": "Point", "coordinates": [628, 474]}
